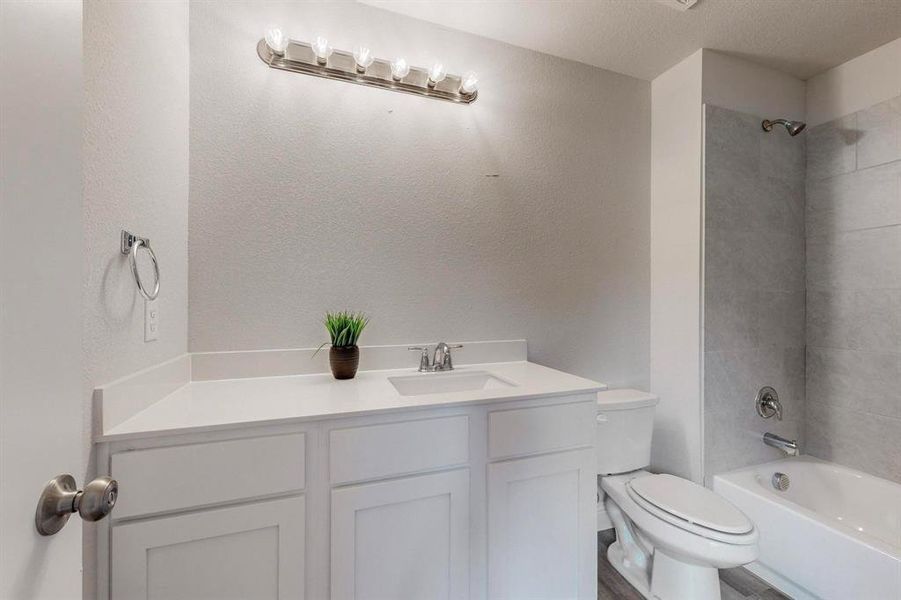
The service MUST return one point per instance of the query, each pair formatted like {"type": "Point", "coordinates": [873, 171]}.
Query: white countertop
{"type": "Point", "coordinates": [231, 403]}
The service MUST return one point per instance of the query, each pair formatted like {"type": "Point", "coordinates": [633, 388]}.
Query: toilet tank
{"type": "Point", "coordinates": [625, 423]}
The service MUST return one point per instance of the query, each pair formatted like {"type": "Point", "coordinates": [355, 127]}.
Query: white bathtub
{"type": "Point", "coordinates": [834, 533]}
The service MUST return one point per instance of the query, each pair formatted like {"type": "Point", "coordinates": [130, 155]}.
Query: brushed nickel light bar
{"type": "Point", "coordinates": [360, 67]}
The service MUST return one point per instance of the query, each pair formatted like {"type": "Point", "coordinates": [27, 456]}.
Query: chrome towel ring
{"type": "Point", "coordinates": [130, 245]}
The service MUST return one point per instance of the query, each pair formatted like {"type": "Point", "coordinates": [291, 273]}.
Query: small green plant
{"type": "Point", "coordinates": [344, 328]}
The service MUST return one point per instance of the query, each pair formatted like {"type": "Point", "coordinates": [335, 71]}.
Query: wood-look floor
{"type": "Point", "coordinates": [735, 584]}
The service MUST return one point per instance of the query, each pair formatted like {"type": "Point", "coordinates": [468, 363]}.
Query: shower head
{"type": "Point", "coordinates": [792, 127]}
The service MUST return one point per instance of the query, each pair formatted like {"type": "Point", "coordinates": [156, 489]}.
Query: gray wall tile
{"type": "Point", "coordinates": [863, 259]}
{"type": "Point", "coordinates": [729, 147]}
{"type": "Point", "coordinates": [730, 319]}
{"type": "Point", "coordinates": [868, 320]}
{"type": "Point", "coordinates": [781, 264]}
{"type": "Point", "coordinates": [830, 322]}
{"type": "Point", "coordinates": [781, 318]}
{"type": "Point", "coordinates": [877, 321]}
{"type": "Point", "coordinates": [784, 159]}
{"type": "Point", "coordinates": [880, 134]}
{"type": "Point", "coordinates": [732, 378]}
{"type": "Point", "coordinates": [752, 260]}
{"type": "Point", "coordinates": [754, 295]}
{"type": "Point", "coordinates": [753, 202]}
{"type": "Point", "coordinates": [831, 148]}
{"type": "Point", "coordinates": [731, 259]}
{"type": "Point", "coordinates": [735, 440]}
{"type": "Point", "coordinates": [819, 320]}
{"type": "Point", "coordinates": [855, 439]}
{"type": "Point", "coordinates": [781, 205]}
{"type": "Point", "coordinates": [855, 380]}
{"type": "Point", "coordinates": [858, 200]}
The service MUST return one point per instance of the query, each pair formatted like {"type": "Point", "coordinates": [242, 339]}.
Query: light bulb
{"type": "Point", "coordinates": [277, 41]}
{"type": "Point", "coordinates": [436, 74]}
{"type": "Point", "coordinates": [322, 50]}
{"type": "Point", "coordinates": [399, 69]}
{"type": "Point", "coordinates": [363, 57]}
{"type": "Point", "coordinates": [469, 84]}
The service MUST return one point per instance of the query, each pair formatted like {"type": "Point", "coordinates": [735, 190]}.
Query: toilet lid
{"type": "Point", "coordinates": [690, 502]}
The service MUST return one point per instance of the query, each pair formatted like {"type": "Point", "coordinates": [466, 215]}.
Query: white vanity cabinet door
{"type": "Point", "coordinates": [541, 527]}
{"type": "Point", "coordinates": [402, 538]}
{"type": "Point", "coordinates": [248, 551]}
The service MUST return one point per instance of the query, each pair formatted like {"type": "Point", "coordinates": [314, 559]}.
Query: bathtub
{"type": "Point", "coordinates": [834, 533]}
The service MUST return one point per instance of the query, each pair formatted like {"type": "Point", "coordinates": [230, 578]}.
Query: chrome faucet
{"type": "Point", "coordinates": [441, 361]}
{"type": "Point", "coordinates": [790, 447]}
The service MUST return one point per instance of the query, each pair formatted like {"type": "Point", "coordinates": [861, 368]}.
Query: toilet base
{"type": "Point", "coordinates": [636, 575]}
{"type": "Point", "coordinates": [672, 579]}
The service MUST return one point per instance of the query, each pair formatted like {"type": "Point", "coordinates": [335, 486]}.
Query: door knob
{"type": "Point", "coordinates": [61, 498]}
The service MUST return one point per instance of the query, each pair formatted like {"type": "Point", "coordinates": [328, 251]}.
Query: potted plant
{"type": "Point", "coordinates": [344, 329]}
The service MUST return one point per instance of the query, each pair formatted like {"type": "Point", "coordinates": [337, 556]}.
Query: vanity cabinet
{"type": "Point", "coordinates": [403, 538]}
{"type": "Point", "coordinates": [491, 500]}
{"type": "Point", "coordinates": [254, 550]}
{"type": "Point", "coordinates": [538, 512]}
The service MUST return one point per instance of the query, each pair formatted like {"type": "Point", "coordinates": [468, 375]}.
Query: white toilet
{"type": "Point", "coordinates": [671, 534]}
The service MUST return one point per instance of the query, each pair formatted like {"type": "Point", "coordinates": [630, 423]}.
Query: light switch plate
{"type": "Point", "coordinates": [151, 320]}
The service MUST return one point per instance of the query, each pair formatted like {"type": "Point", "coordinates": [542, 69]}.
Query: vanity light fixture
{"type": "Point", "coordinates": [322, 50]}
{"type": "Point", "coordinates": [318, 58]}
{"type": "Point", "coordinates": [469, 85]}
{"type": "Point", "coordinates": [277, 41]}
{"type": "Point", "coordinates": [399, 69]}
{"type": "Point", "coordinates": [363, 58]}
{"type": "Point", "coordinates": [436, 74]}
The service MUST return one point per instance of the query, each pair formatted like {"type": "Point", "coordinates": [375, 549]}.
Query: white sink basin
{"type": "Point", "coordinates": [443, 383]}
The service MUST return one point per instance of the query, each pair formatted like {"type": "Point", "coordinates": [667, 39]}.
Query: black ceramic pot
{"type": "Point", "coordinates": [344, 361]}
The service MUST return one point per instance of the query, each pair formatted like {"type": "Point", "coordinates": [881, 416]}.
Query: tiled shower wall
{"type": "Point", "coordinates": [843, 399]}
{"type": "Point", "coordinates": [754, 298]}
{"type": "Point", "coordinates": [853, 411]}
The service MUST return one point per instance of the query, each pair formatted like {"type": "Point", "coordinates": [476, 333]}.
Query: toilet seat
{"type": "Point", "coordinates": [690, 507]}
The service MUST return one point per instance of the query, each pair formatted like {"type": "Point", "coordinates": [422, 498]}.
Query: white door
{"type": "Point", "coordinates": [248, 551]}
{"type": "Point", "coordinates": [541, 527]}
{"type": "Point", "coordinates": [403, 538]}
{"type": "Point", "coordinates": [41, 416]}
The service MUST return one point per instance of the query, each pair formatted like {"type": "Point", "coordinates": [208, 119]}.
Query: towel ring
{"type": "Point", "coordinates": [130, 245]}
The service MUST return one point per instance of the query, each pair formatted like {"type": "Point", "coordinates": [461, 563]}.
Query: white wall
{"type": "Point", "coordinates": [523, 215]}
{"type": "Point", "coordinates": [40, 259]}
{"type": "Point", "coordinates": [855, 85]}
{"type": "Point", "coordinates": [135, 177]}
{"type": "Point", "coordinates": [743, 86]}
{"type": "Point", "coordinates": [676, 138]}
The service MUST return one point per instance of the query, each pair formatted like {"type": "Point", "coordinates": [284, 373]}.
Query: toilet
{"type": "Point", "coordinates": [672, 535]}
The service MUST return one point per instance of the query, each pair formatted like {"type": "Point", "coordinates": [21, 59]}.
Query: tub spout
{"type": "Point", "coordinates": [790, 447]}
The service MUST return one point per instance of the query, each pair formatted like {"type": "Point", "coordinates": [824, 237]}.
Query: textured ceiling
{"type": "Point", "coordinates": [643, 38]}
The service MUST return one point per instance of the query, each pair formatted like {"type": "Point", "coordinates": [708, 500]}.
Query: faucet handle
{"type": "Point", "coordinates": [443, 360]}
{"type": "Point", "coordinates": [423, 358]}
{"type": "Point", "coordinates": [767, 403]}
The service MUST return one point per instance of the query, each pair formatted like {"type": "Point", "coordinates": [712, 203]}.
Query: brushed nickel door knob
{"type": "Point", "coordinates": [61, 497]}
{"type": "Point", "coordinates": [98, 498]}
